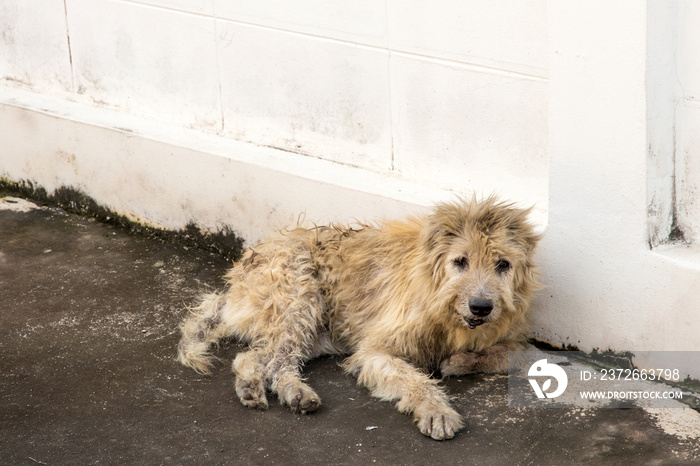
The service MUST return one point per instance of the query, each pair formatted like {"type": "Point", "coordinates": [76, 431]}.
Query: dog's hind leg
{"type": "Point", "coordinates": [296, 335]}
{"type": "Point", "coordinates": [293, 334]}
{"type": "Point", "coordinates": [283, 370]}
{"type": "Point", "coordinates": [393, 379]}
{"type": "Point", "coordinates": [283, 375]}
{"type": "Point", "coordinates": [249, 367]}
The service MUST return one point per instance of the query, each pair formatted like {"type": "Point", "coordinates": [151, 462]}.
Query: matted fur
{"type": "Point", "coordinates": [450, 290]}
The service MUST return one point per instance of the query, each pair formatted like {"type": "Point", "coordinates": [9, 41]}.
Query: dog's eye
{"type": "Point", "coordinates": [502, 266]}
{"type": "Point", "coordinates": [461, 263]}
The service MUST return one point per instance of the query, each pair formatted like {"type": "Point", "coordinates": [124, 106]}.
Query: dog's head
{"type": "Point", "coordinates": [481, 254]}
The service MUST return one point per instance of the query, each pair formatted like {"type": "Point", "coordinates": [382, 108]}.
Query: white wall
{"type": "Point", "coordinates": [367, 84]}
{"type": "Point", "coordinates": [606, 287]}
{"type": "Point", "coordinates": [243, 114]}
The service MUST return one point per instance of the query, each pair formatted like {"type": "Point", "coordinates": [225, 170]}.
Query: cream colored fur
{"type": "Point", "coordinates": [399, 299]}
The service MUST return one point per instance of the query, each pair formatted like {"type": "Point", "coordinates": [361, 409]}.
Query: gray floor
{"type": "Point", "coordinates": [88, 333]}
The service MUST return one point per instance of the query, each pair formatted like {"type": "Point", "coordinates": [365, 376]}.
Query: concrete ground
{"type": "Point", "coordinates": [88, 335]}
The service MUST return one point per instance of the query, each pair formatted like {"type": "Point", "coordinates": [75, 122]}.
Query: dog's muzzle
{"type": "Point", "coordinates": [480, 308]}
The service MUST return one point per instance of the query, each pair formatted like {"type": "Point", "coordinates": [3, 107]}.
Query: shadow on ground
{"type": "Point", "coordinates": [88, 335]}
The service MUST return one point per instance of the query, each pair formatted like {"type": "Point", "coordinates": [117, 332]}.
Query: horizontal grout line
{"type": "Point", "coordinates": [401, 52]}
{"type": "Point", "coordinates": [166, 8]}
{"type": "Point", "coordinates": [471, 66]}
{"type": "Point", "coordinates": [476, 67]}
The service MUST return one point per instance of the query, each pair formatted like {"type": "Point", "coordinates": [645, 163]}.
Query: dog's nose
{"type": "Point", "coordinates": [480, 307]}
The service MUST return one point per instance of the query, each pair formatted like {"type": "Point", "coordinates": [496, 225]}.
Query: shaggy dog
{"type": "Point", "coordinates": [450, 290]}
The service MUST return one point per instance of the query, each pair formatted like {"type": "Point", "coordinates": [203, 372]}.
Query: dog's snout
{"type": "Point", "coordinates": [480, 307]}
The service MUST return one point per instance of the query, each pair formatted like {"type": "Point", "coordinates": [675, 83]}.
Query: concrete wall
{"type": "Point", "coordinates": [244, 114]}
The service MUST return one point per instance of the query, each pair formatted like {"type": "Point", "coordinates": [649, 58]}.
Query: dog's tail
{"type": "Point", "coordinates": [200, 330]}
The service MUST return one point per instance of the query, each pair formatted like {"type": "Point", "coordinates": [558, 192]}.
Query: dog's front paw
{"type": "Point", "coordinates": [458, 364]}
{"type": "Point", "coordinates": [438, 423]}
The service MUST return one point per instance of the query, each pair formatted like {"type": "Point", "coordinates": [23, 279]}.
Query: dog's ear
{"type": "Point", "coordinates": [435, 239]}
{"type": "Point", "coordinates": [527, 276]}
{"type": "Point", "coordinates": [440, 226]}
{"type": "Point", "coordinates": [523, 231]}
{"type": "Point", "coordinates": [432, 233]}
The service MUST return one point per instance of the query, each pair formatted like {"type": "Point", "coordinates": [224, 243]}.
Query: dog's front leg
{"type": "Point", "coordinates": [492, 359]}
{"type": "Point", "coordinates": [393, 379]}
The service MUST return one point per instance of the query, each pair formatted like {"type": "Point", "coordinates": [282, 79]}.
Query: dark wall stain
{"type": "Point", "coordinates": [225, 242]}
